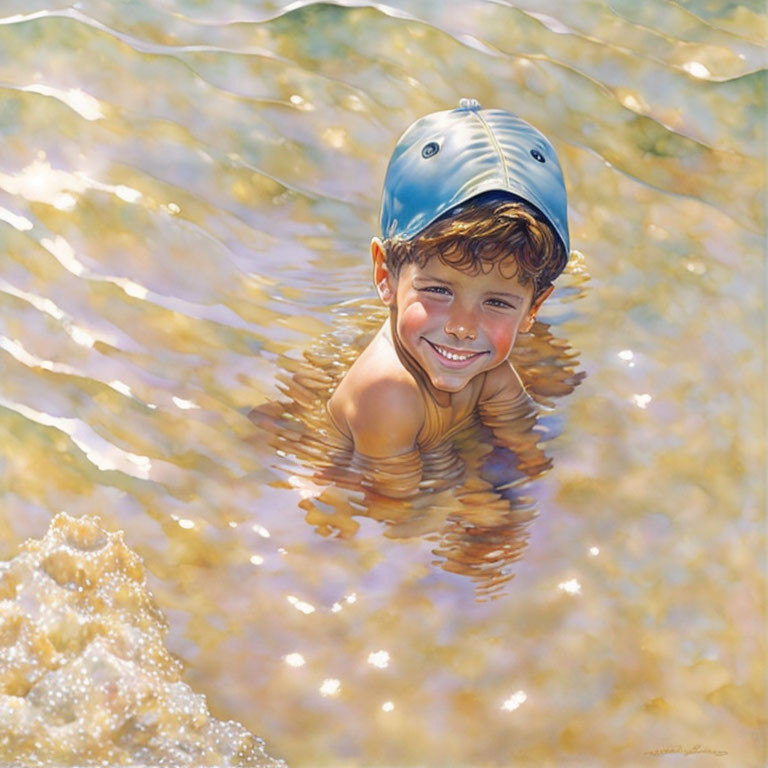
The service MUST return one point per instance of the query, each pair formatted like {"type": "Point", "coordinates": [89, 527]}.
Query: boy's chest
{"type": "Point", "coordinates": [443, 419]}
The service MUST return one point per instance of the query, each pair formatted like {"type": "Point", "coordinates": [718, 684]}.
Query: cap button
{"type": "Point", "coordinates": [473, 104]}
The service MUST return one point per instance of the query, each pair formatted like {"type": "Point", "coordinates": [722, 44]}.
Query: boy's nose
{"type": "Point", "coordinates": [461, 326]}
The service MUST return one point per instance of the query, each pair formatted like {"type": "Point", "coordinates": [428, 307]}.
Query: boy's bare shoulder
{"type": "Point", "coordinates": [501, 383]}
{"type": "Point", "coordinates": [384, 415]}
{"type": "Point", "coordinates": [378, 403]}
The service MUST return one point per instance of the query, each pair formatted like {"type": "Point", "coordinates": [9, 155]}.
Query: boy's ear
{"type": "Point", "coordinates": [382, 277]}
{"type": "Point", "coordinates": [530, 315]}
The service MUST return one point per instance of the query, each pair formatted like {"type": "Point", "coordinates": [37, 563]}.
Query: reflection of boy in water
{"type": "Point", "coordinates": [475, 231]}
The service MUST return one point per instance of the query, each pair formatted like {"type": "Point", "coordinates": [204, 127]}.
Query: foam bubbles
{"type": "Point", "coordinates": [85, 677]}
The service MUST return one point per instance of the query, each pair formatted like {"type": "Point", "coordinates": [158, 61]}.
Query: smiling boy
{"type": "Point", "coordinates": [474, 232]}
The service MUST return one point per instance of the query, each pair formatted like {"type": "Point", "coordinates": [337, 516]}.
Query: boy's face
{"type": "Point", "coordinates": [454, 324]}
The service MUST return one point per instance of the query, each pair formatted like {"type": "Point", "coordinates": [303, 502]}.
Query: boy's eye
{"type": "Point", "coordinates": [501, 303]}
{"type": "Point", "coordinates": [437, 289]}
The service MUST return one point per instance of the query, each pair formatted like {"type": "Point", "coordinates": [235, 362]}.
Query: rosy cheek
{"type": "Point", "coordinates": [501, 335]}
{"type": "Point", "coordinates": [413, 320]}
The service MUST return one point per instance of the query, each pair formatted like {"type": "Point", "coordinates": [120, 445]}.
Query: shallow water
{"type": "Point", "coordinates": [187, 193]}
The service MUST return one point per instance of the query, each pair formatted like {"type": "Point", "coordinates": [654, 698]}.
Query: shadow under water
{"type": "Point", "coordinates": [473, 487]}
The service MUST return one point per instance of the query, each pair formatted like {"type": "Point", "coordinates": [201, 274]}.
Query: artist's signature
{"type": "Point", "coordinates": [696, 749]}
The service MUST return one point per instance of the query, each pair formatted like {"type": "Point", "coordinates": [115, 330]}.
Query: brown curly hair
{"type": "Point", "coordinates": [489, 229]}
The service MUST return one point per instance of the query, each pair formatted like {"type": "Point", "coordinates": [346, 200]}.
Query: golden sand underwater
{"type": "Point", "coordinates": [188, 189]}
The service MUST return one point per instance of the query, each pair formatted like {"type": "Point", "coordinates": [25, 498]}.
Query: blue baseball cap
{"type": "Point", "coordinates": [448, 157]}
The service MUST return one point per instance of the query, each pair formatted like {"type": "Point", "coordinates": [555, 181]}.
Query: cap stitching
{"type": "Point", "coordinates": [496, 146]}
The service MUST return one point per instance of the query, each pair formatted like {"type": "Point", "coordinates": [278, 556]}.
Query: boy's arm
{"type": "Point", "coordinates": [510, 413]}
{"type": "Point", "coordinates": [385, 420]}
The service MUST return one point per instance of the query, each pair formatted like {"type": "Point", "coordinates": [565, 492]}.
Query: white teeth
{"type": "Point", "coordinates": [451, 355]}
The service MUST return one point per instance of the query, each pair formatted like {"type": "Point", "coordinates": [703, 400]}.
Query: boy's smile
{"type": "Point", "coordinates": [455, 324]}
{"type": "Point", "coordinates": [454, 358]}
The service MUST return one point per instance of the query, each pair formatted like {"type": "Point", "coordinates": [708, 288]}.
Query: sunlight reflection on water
{"type": "Point", "coordinates": [182, 248]}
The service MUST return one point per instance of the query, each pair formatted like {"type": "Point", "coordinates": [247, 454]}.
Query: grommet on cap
{"type": "Point", "coordinates": [430, 149]}
{"type": "Point", "coordinates": [469, 104]}
{"type": "Point", "coordinates": [538, 156]}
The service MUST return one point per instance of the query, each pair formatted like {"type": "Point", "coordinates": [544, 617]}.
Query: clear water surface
{"type": "Point", "coordinates": [187, 193]}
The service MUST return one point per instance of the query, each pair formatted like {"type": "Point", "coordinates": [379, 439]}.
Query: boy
{"type": "Point", "coordinates": [474, 232]}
